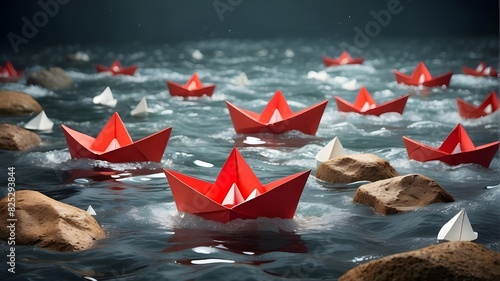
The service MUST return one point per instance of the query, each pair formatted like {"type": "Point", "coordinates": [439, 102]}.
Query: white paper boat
{"type": "Point", "coordinates": [91, 211]}
{"type": "Point", "coordinates": [241, 79]}
{"type": "Point", "coordinates": [350, 85]}
{"type": "Point", "coordinates": [41, 122]}
{"type": "Point", "coordinates": [333, 149]}
{"type": "Point", "coordinates": [141, 109]}
{"type": "Point", "coordinates": [105, 98]}
{"type": "Point", "coordinates": [457, 229]}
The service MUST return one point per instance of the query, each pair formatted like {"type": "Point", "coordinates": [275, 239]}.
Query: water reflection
{"type": "Point", "coordinates": [286, 141]}
{"type": "Point", "coordinates": [212, 246]}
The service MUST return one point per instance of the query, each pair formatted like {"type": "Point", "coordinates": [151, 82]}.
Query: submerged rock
{"type": "Point", "coordinates": [15, 138]}
{"type": "Point", "coordinates": [355, 167]}
{"type": "Point", "coordinates": [18, 103]}
{"type": "Point", "coordinates": [401, 194]}
{"type": "Point", "coordinates": [49, 224]}
{"type": "Point", "coordinates": [53, 78]}
{"type": "Point", "coordinates": [446, 261]}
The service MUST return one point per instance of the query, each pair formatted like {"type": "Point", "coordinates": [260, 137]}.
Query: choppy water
{"type": "Point", "coordinates": [148, 239]}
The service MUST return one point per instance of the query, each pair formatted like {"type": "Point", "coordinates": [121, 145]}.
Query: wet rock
{"type": "Point", "coordinates": [15, 138]}
{"type": "Point", "coordinates": [18, 103]}
{"type": "Point", "coordinates": [355, 167]}
{"type": "Point", "coordinates": [53, 78]}
{"type": "Point", "coordinates": [446, 261]}
{"type": "Point", "coordinates": [401, 194]}
{"type": "Point", "coordinates": [49, 224]}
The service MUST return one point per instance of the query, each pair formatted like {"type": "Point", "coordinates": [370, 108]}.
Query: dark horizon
{"type": "Point", "coordinates": [25, 25]}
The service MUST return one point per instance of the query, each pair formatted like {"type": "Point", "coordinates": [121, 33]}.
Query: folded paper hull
{"type": "Point", "coordinates": [437, 81]}
{"type": "Point", "coordinates": [122, 71]}
{"type": "Point", "coordinates": [280, 201]}
{"type": "Point", "coordinates": [467, 110]}
{"type": "Point", "coordinates": [150, 148]}
{"type": "Point", "coordinates": [396, 105]}
{"type": "Point", "coordinates": [306, 121]}
{"type": "Point", "coordinates": [482, 155]}
{"type": "Point", "coordinates": [179, 90]}
{"type": "Point", "coordinates": [471, 71]}
{"type": "Point", "coordinates": [333, 62]}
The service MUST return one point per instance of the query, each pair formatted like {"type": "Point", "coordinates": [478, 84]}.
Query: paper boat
{"type": "Point", "coordinates": [141, 109]}
{"type": "Point", "coordinates": [456, 149]}
{"type": "Point", "coordinates": [116, 68]}
{"type": "Point", "coordinates": [457, 229]}
{"type": "Point", "coordinates": [344, 58]}
{"type": "Point", "coordinates": [114, 144]}
{"type": "Point", "coordinates": [333, 149]}
{"type": "Point", "coordinates": [91, 211]}
{"type": "Point", "coordinates": [364, 104]}
{"type": "Point", "coordinates": [105, 98]}
{"type": "Point", "coordinates": [193, 88]}
{"type": "Point", "coordinates": [241, 79]}
{"type": "Point", "coordinates": [9, 74]}
{"type": "Point", "coordinates": [422, 76]}
{"type": "Point", "coordinates": [277, 117]}
{"type": "Point", "coordinates": [489, 105]}
{"type": "Point", "coordinates": [237, 193]}
{"type": "Point", "coordinates": [481, 70]}
{"type": "Point", "coordinates": [41, 122]}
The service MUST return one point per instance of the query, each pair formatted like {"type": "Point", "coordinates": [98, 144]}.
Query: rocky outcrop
{"type": "Point", "coordinates": [53, 78]}
{"type": "Point", "coordinates": [17, 103]}
{"type": "Point", "coordinates": [401, 194]}
{"type": "Point", "coordinates": [49, 224]}
{"type": "Point", "coordinates": [15, 138]}
{"type": "Point", "coordinates": [355, 167]}
{"type": "Point", "coordinates": [446, 261]}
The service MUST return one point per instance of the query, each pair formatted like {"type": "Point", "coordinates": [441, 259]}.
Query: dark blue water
{"type": "Point", "coordinates": [149, 240]}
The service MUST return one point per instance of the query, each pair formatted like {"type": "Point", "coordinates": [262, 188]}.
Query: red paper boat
{"type": "Point", "coordinates": [193, 88]}
{"type": "Point", "coordinates": [489, 105]}
{"type": "Point", "coordinates": [456, 149]}
{"type": "Point", "coordinates": [277, 117]}
{"type": "Point", "coordinates": [365, 104]}
{"type": "Point", "coordinates": [237, 193]}
{"type": "Point", "coordinates": [116, 68]}
{"type": "Point", "coordinates": [344, 58]}
{"type": "Point", "coordinates": [422, 76]}
{"type": "Point", "coordinates": [481, 70]}
{"type": "Point", "coordinates": [114, 144]}
{"type": "Point", "coordinates": [9, 74]}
